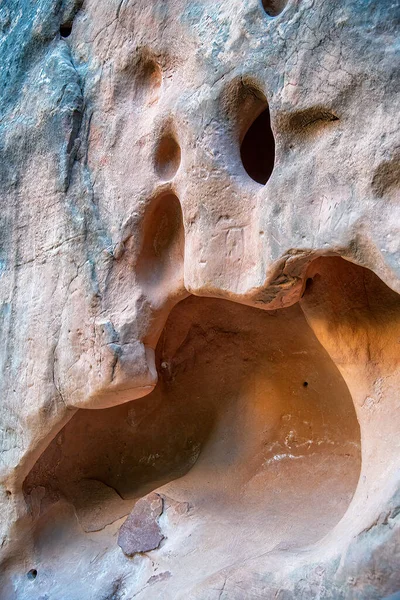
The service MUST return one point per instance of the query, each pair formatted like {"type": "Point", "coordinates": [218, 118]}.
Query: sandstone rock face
{"type": "Point", "coordinates": [199, 300]}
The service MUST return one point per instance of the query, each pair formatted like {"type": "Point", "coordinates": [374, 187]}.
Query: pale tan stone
{"type": "Point", "coordinates": [199, 296]}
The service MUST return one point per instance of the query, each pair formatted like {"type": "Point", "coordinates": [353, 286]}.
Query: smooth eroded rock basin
{"type": "Point", "coordinates": [250, 438]}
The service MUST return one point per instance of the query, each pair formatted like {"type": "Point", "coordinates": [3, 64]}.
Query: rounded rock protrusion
{"type": "Point", "coordinates": [167, 157]}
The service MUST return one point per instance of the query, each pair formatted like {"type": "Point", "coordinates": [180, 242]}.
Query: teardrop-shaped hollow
{"type": "Point", "coordinates": [258, 149]}
{"type": "Point", "coordinates": [160, 264]}
{"type": "Point", "coordinates": [145, 79]}
{"type": "Point", "coordinates": [273, 8]}
{"type": "Point", "coordinates": [167, 157]}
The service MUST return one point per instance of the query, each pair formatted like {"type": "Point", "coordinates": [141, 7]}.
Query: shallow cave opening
{"type": "Point", "coordinates": [257, 150]}
{"type": "Point", "coordinates": [228, 434]}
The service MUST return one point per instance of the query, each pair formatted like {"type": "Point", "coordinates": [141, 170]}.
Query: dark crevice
{"type": "Point", "coordinates": [307, 286]}
{"type": "Point", "coordinates": [66, 29]}
{"type": "Point", "coordinates": [76, 125]}
{"type": "Point", "coordinates": [32, 574]}
{"type": "Point", "coordinates": [258, 149]}
{"type": "Point", "coordinates": [72, 145]}
{"type": "Point", "coordinates": [68, 17]}
{"type": "Point", "coordinates": [273, 8]}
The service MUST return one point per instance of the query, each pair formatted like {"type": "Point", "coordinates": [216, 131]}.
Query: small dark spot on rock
{"type": "Point", "coordinates": [65, 29]}
{"type": "Point", "coordinates": [305, 383]}
{"type": "Point", "coordinates": [32, 574]}
{"type": "Point", "coordinates": [160, 577]}
{"type": "Point", "coordinates": [273, 7]}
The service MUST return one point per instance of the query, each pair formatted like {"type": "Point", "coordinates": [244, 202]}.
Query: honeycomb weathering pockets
{"type": "Point", "coordinates": [199, 300]}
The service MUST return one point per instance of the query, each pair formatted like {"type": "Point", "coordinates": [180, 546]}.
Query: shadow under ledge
{"type": "Point", "coordinates": [250, 439]}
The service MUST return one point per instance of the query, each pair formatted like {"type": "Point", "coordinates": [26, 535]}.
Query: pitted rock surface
{"type": "Point", "coordinates": [199, 299]}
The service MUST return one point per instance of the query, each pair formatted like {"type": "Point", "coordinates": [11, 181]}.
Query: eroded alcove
{"type": "Point", "coordinates": [167, 156]}
{"type": "Point", "coordinates": [250, 438]}
{"type": "Point", "coordinates": [160, 264]}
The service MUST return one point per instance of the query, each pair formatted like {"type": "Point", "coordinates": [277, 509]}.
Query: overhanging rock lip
{"type": "Point", "coordinates": [286, 278]}
{"type": "Point", "coordinates": [110, 397]}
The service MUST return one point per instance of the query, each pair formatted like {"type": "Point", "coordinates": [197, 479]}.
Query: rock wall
{"type": "Point", "coordinates": [199, 300]}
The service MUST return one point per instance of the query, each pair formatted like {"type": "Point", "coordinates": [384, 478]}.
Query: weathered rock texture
{"type": "Point", "coordinates": [203, 194]}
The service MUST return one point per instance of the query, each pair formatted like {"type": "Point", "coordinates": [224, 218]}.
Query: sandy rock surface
{"type": "Point", "coordinates": [199, 300]}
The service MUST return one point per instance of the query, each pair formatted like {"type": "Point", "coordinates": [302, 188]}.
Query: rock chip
{"type": "Point", "coordinates": [141, 531]}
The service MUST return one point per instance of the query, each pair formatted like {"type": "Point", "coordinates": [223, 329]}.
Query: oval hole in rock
{"type": "Point", "coordinates": [32, 574]}
{"type": "Point", "coordinates": [65, 29]}
{"type": "Point", "coordinates": [167, 157]}
{"type": "Point", "coordinates": [257, 150]}
{"type": "Point", "coordinates": [273, 8]}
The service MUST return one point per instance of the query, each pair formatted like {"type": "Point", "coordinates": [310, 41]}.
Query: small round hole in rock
{"type": "Point", "coordinates": [167, 157]}
{"type": "Point", "coordinates": [305, 383]}
{"type": "Point", "coordinates": [273, 8]}
{"type": "Point", "coordinates": [258, 149]}
{"type": "Point", "coordinates": [65, 29]}
{"type": "Point", "coordinates": [32, 574]}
